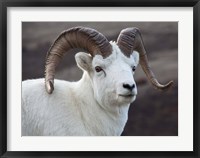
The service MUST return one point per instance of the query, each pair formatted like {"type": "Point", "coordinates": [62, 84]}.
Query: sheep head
{"type": "Point", "coordinates": [112, 77]}
{"type": "Point", "coordinates": [110, 65]}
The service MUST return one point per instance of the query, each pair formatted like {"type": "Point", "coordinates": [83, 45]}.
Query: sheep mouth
{"type": "Point", "coordinates": [127, 96]}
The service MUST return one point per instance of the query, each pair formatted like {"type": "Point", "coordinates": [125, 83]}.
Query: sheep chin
{"type": "Point", "coordinates": [127, 99]}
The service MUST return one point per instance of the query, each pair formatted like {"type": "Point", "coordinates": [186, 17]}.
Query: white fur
{"type": "Point", "coordinates": [92, 106]}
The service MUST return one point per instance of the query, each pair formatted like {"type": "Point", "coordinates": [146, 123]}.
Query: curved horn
{"type": "Point", "coordinates": [129, 40]}
{"type": "Point", "coordinates": [88, 39]}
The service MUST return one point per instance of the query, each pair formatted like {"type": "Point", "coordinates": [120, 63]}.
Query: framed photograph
{"type": "Point", "coordinates": [95, 78]}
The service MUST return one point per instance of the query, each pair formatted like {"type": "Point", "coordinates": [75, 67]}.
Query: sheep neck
{"type": "Point", "coordinates": [98, 120]}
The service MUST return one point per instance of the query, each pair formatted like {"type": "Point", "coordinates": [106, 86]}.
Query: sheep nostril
{"type": "Point", "coordinates": [133, 86]}
{"type": "Point", "coordinates": [128, 86]}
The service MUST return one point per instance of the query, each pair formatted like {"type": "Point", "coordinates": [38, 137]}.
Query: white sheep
{"type": "Point", "coordinates": [98, 103]}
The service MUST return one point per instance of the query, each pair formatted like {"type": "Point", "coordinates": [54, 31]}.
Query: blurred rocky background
{"type": "Point", "coordinates": [154, 113]}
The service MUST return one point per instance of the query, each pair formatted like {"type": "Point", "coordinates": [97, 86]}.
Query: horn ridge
{"type": "Point", "coordinates": [88, 39]}
{"type": "Point", "coordinates": [130, 39]}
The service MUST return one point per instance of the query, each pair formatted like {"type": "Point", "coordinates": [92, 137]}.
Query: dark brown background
{"type": "Point", "coordinates": [154, 113]}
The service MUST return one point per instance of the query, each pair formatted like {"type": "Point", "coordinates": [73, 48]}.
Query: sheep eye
{"type": "Point", "coordinates": [98, 69]}
{"type": "Point", "coordinates": [133, 68]}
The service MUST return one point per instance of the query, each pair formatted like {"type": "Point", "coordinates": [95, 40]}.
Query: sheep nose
{"type": "Point", "coordinates": [128, 86]}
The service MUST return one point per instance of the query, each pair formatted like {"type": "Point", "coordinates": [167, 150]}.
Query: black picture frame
{"type": "Point", "coordinates": [4, 4]}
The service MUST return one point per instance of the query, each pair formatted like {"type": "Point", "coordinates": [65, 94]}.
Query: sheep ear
{"type": "Point", "coordinates": [84, 61]}
{"type": "Point", "coordinates": [136, 57]}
